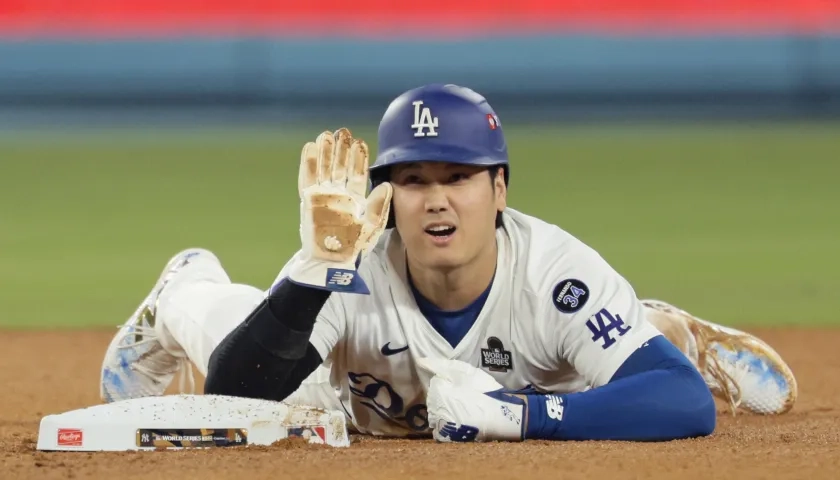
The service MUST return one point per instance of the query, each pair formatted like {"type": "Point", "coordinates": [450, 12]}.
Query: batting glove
{"type": "Point", "coordinates": [338, 223]}
{"type": "Point", "coordinates": [465, 404]}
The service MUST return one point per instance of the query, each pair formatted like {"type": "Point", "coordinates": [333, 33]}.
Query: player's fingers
{"type": "Point", "coordinates": [376, 212]}
{"type": "Point", "coordinates": [308, 174]}
{"type": "Point", "coordinates": [341, 156]}
{"type": "Point", "coordinates": [357, 173]}
{"type": "Point", "coordinates": [326, 146]}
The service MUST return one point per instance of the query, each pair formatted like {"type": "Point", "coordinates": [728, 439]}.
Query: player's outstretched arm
{"type": "Point", "coordinates": [274, 350]}
{"type": "Point", "coordinates": [656, 395]}
{"type": "Point", "coordinates": [644, 388]}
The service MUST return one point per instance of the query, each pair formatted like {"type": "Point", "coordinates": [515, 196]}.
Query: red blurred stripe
{"type": "Point", "coordinates": [406, 16]}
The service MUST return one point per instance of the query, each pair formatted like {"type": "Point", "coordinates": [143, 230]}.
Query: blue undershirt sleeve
{"type": "Point", "coordinates": [656, 395]}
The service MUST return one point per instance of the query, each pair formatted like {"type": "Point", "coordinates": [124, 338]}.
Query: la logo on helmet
{"type": "Point", "coordinates": [423, 119]}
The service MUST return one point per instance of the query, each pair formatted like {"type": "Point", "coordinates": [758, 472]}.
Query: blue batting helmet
{"type": "Point", "coordinates": [439, 123]}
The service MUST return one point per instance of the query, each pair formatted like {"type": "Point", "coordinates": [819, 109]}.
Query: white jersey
{"type": "Point", "coordinates": [558, 318]}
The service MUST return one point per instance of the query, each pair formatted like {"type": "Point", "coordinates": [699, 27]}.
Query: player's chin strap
{"type": "Point", "coordinates": [728, 385]}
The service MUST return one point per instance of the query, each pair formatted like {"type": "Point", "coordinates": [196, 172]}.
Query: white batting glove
{"type": "Point", "coordinates": [460, 409]}
{"type": "Point", "coordinates": [337, 223]}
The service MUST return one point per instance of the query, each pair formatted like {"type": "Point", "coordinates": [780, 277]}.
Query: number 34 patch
{"type": "Point", "coordinates": [570, 295]}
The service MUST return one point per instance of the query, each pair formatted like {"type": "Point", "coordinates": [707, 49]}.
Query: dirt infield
{"type": "Point", "coordinates": [45, 373]}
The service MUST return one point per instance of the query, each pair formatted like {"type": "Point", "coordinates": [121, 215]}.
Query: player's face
{"type": "Point", "coordinates": [445, 213]}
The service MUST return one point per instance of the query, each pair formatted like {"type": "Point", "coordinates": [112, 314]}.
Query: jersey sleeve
{"type": "Point", "coordinates": [599, 322]}
{"type": "Point", "coordinates": [330, 323]}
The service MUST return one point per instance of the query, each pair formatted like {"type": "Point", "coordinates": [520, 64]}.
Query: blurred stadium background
{"type": "Point", "coordinates": [694, 143]}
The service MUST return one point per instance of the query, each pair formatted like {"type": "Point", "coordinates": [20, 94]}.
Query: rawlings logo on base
{"type": "Point", "coordinates": [70, 437]}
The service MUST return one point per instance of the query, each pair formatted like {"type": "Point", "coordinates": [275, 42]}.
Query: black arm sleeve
{"type": "Point", "coordinates": [269, 355]}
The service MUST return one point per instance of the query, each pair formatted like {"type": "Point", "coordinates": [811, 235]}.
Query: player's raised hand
{"type": "Point", "coordinates": [337, 221]}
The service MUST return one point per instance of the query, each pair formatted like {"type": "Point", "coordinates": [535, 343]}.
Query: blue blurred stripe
{"type": "Point", "coordinates": [577, 69]}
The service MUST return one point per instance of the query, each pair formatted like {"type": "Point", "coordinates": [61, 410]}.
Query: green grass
{"type": "Point", "coordinates": [737, 224]}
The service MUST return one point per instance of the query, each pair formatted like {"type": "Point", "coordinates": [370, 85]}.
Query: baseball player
{"type": "Point", "coordinates": [420, 303]}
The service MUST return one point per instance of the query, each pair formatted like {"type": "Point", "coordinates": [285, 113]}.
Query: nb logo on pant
{"type": "Point", "coordinates": [458, 433]}
{"type": "Point", "coordinates": [423, 119]}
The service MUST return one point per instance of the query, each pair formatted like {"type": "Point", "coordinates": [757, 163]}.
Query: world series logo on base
{"type": "Point", "coordinates": [192, 438]}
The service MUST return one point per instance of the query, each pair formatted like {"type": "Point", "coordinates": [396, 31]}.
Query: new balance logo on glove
{"type": "Point", "coordinates": [340, 279]}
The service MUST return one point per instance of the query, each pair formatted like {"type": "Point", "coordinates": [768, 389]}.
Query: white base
{"type": "Point", "coordinates": [188, 421]}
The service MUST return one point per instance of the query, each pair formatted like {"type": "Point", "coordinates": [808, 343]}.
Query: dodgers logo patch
{"type": "Point", "coordinates": [570, 295]}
